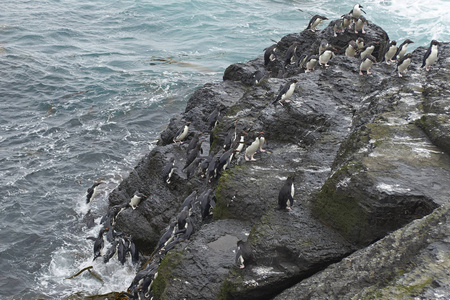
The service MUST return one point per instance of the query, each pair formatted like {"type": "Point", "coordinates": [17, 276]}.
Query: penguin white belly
{"type": "Point", "coordinates": [292, 190]}
{"type": "Point", "coordinates": [432, 57]}
{"type": "Point", "coordinates": [310, 65]}
{"type": "Point", "coordinates": [350, 51]}
{"type": "Point", "coordinates": [368, 51]}
{"type": "Point", "coordinates": [404, 65]}
{"type": "Point", "coordinates": [289, 92]}
{"type": "Point", "coordinates": [325, 57]}
{"type": "Point", "coordinates": [251, 150]}
{"type": "Point", "coordinates": [390, 54]}
{"type": "Point", "coordinates": [183, 134]}
{"type": "Point", "coordinates": [359, 25]}
{"type": "Point", "coordinates": [134, 202]}
{"type": "Point", "coordinates": [402, 52]}
{"type": "Point", "coordinates": [365, 65]}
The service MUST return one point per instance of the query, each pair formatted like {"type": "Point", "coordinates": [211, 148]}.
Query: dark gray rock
{"type": "Point", "coordinates": [364, 149]}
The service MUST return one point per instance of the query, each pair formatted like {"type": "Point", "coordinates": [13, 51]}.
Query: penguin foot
{"type": "Point", "coordinates": [262, 150]}
{"type": "Point", "coordinates": [428, 69]}
{"type": "Point", "coordinates": [388, 63]}
{"type": "Point", "coordinates": [368, 72]}
{"type": "Point", "coordinates": [363, 31]}
{"type": "Point", "coordinates": [361, 73]}
{"type": "Point", "coordinates": [241, 266]}
{"type": "Point", "coordinates": [400, 75]}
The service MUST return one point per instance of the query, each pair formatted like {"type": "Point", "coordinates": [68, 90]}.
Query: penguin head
{"type": "Point", "coordinates": [408, 41]}
{"type": "Point", "coordinates": [393, 43]}
{"type": "Point", "coordinates": [434, 42]}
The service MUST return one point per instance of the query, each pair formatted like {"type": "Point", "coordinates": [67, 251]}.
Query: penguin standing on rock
{"type": "Point", "coordinates": [338, 27]}
{"type": "Point", "coordinates": [401, 50]}
{"type": "Point", "coordinates": [390, 52]}
{"type": "Point", "coordinates": [286, 92]}
{"type": "Point", "coordinates": [243, 254]}
{"type": "Point", "coordinates": [269, 54]}
{"type": "Point", "coordinates": [359, 24]}
{"type": "Point", "coordinates": [357, 11]}
{"type": "Point", "coordinates": [367, 50]}
{"type": "Point", "coordinates": [168, 170]}
{"type": "Point", "coordinates": [366, 64]}
{"type": "Point", "coordinates": [251, 150]}
{"type": "Point", "coordinates": [136, 199]}
{"type": "Point", "coordinates": [182, 133]}
{"type": "Point", "coordinates": [311, 62]}
{"type": "Point", "coordinates": [290, 56]}
{"type": "Point", "coordinates": [315, 21]}
{"type": "Point", "coordinates": [351, 49]}
{"type": "Point", "coordinates": [286, 195]}
{"type": "Point", "coordinates": [403, 64]}
{"type": "Point", "coordinates": [431, 55]}
{"type": "Point", "coordinates": [360, 43]}
{"type": "Point", "coordinates": [325, 57]}
{"type": "Point", "coordinates": [92, 192]}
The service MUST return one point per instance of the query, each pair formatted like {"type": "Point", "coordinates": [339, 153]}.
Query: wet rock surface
{"type": "Point", "coordinates": [370, 155]}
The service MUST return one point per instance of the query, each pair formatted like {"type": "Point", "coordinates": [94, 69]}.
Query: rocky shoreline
{"type": "Point", "coordinates": [370, 154]}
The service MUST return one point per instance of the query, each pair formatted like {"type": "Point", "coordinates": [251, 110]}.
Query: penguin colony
{"type": "Point", "coordinates": [239, 145]}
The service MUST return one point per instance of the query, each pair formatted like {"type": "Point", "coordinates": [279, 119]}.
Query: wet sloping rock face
{"type": "Point", "coordinates": [365, 154]}
{"type": "Point", "coordinates": [410, 263]}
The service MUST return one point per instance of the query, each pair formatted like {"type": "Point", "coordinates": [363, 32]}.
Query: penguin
{"type": "Point", "coordinates": [182, 133]}
{"type": "Point", "coordinates": [205, 203]}
{"type": "Point", "coordinates": [192, 155]}
{"type": "Point", "coordinates": [401, 50]}
{"type": "Point", "coordinates": [189, 200]}
{"type": "Point", "coordinates": [205, 163]}
{"type": "Point", "coordinates": [168, 170]}
{"type": "Point", "coordinates": [360, 43]}
{"type": "Point", "coordinates": [190, 170]}
{"type": "Point", "coordinates": [92, 192]}
{"type": "Point", "coordinates": [181, 218]}
{"type": "Point", "coordinates": [224, 161]}
{"type": "Point", "coordinates": [286, 92]}
{"type": "Point", "coordinates": [231, 136]}
{"type": "Point", "coordinates": [258, 76]}
{"type": "Point", "coordinates": [315, 21]}
{"type": "Point", "coordinates": [212, 167]}
{"type": "Point", "coordinates": [213, 117]}
{"type": "Point", "coordinates": [262, 141]}
{"type": "Point", "coordinates": [351, 49]}
{"type": "Point", "coordinates": [166, 236]}
{"type": "Point", "coordinates": [243, 254]}
{"type": "Point", "coordinates": [189, 229]}
{"type": "Point", "coordinates": [431, 55]}
{"type": "Point", "coordinates": [359, 24]}
{"type": "Point", "coordinates": [366, 64]}
{"type": "Point", "coordinates": [403, 64]}
{"type": "Point", "coordinates": [357, 11]}
{"type": "Point", "coordinates": [194, 141]}
{"type": "Point", "coordinates": [323, 45]}
{"type": "Point", "coordinates": [269, 54]}
{"type": "Point", "coordinates": [133, 251]}
{"type": "Point", "coordinates": [325, 57]}
{"type": "Point", "coordinates": [368, 49]}
{"type": "Point", "coordinates": [99, 243]}
{"type": "Point", "coordinates": [346, 21]}
{"type": "Point", "coordinates": [110, 252]}
{"type": "Point", "coordinates": [241, 143]}
{"type": "Point", "coordinates": [311, 63]}
{"type": "Point", "coordinates": [290, 56]}
{"type": "Point", "coordinates": [251, 150]}
{"type": "Point", "coordinates": [390, 52]}
{"type": "Point", "coordinates": [286, 195]}
{"type": "Point", "coordinates": [338, 27]}
{"type": "Point", "coordinates": [121, 251]}
{"type": "Point", "coordinates": [136, 199]}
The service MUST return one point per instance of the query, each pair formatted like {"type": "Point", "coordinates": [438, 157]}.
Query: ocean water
{"type": "Point", "coordinates": [87, 86]}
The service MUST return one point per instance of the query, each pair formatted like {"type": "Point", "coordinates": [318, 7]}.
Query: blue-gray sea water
{"type": "Point", "coordinates": [87, 86]}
